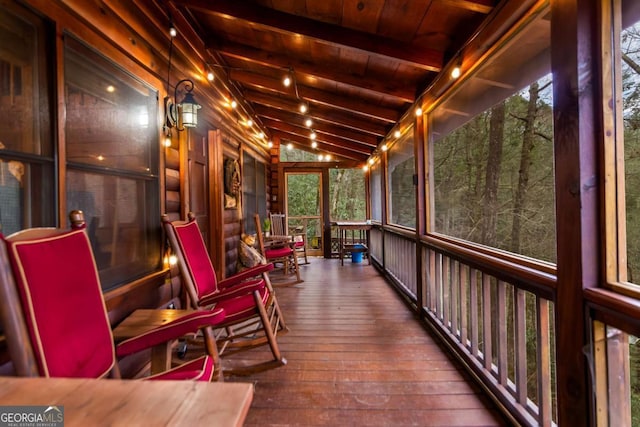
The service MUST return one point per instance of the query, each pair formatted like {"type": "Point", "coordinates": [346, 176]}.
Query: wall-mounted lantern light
{"type": "Point", "coordinates": [185, 114]}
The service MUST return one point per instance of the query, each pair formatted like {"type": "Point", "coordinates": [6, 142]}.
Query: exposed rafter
{"type": "Point", "coordinates": [304, 69]}
{"type": "Point", "coordinates": [319, 113]}
{"type": "Point", "coordinates": [316, 96]}
{"type": "Point", "coordinates": [371, 44]}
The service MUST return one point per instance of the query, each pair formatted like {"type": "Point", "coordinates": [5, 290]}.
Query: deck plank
{"type": "Point", "coordinates": [358, 357]}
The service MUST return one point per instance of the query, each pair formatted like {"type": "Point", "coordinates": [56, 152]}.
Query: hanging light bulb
{"type": "Point", "coordinates": [303, 108]}
{"type": "Point", "coordinates": [455, 73]}
{"type": "Point", "coordinates": [210, 76]}
{"type": "Point", "coordinates": [286, 81]}
{"type": "Point", "coordinates": [308, 123]}
{"type": "Point", "coordinates": [172, 31]}
{"type": "Point", "coordinates": [314, 144]}
{"type": "Point", "coordinates": [365, 168]}
{"type": "Point", "coordinates": [312, 135]}
{"type": "Point", "coordinates": [371, 161]}
{"type": "Point", "coordinates": [327, 157]}
{"type": "Point", "coordinates": [384, 147]}
{"type": "Point", "coordinates": [418, 112]}
{"type": "Point", "coordinates": [289, 146]}
{"type": "Point", "coordinates": [270, 144]}
{"type": "Point", "coordinates": [234, 104]}
{"type": "Point", "coordinates": [320, 157]}
{"type": "Point", "coordinates": [249, 123]}
{"type": "Point", "coordinates": [397, 133]}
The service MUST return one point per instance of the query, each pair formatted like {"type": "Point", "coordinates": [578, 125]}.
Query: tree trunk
{"type": "Point", "coordinates": [525, 164]}
{"type": "Point", "coordinates": [335, 196]}
{"type": "Point", "coordinates": [494, 160]}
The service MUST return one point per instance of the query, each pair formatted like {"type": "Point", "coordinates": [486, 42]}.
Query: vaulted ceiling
{"type": "Point", "coordinates": [358, 65]}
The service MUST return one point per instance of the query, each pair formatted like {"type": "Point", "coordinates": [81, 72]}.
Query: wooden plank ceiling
{"type": "Point", "coordinates": [356, 64]}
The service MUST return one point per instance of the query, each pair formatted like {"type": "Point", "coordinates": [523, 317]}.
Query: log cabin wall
{"type": "Point", "coordinates": [134, 37]}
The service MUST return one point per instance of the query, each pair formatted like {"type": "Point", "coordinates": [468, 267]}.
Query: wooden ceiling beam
{"type": "Point", "coordinates": [316, 96]}
{"type": "Point", "coordinates": [480, 6]}
{"type": "Point", "coordinates": [305, 145]}
{"type": "Point", "coordinates": [319, 113]}
{"type": "Point", "coordinates": [305, 69]}
{"type": "Point", "coordinates": [334, 35]}
{"type": "Point", "coordinates": [303, 132]}
{"type": "Point", "coordinates": [319, 127]}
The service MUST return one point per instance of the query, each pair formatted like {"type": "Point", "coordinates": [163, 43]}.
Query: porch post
{"type": "Point", "coordinates": [576, 140]}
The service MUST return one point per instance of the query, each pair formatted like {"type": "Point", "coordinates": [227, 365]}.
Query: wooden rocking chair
{"type": "Point", "coordinates": [280, 227]}
{"type": "Point", "coordinates": [54, 315]}
{"type": "Point", "coordinates": [278, 249]}
{"type": "Point", "coordinates": [253, 316]}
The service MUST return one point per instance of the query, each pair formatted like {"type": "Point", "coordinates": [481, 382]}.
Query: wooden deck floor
{"type": "Point", "coordinates": [358, 357]}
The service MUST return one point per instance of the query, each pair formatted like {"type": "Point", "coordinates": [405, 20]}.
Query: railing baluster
{"type": "Point", "coordinates": [501, 325]}
{"type": "Point", "coordinates": [439, 290]}
{"type": "Point", "coordinates": [486, 322]}
{"type": "Point", "coordinates": [463, 272]}
{"type": "Point", "coordinates": [543, 330]}
{"type": "Point", "coordinates": [455, 288]}
{"type": "Point", "coordinates": [475, 321]}
{"type": "Point", "coordinates": [520, 346]}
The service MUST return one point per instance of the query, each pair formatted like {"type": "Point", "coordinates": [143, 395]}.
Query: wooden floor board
{"type": "Point", "coordinates": [357, 356]}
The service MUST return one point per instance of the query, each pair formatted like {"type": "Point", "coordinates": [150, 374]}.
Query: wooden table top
{"type": "Point", "coordinates": [142, 320]}
{"type": "Point", "coordinates": [354, 225]}
{"type": "Point", "coordinates": [92, 402]}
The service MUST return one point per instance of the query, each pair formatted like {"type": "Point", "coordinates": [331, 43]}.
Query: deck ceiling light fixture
{"type": "Point", "coordinates": [185, 114]}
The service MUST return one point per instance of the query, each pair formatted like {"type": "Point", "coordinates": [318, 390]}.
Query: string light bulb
{"type": "Point", "coordinates": [286, 81]}
{"type": "Point", "coordinates": [308, 123]}
{"type": "Point", "coordinates": [314, 144]}
{"type": "Point", "coordinates": [418, 112]}
{"type": "Point", "coordinates": [270, 144]}
{"type": "Point", "coordinates": [172, 31]}
{"type": "Point", "coordinates": [303, 108]}
{"type": "Point", "coordinates": [234, 104]}
{"type": "Point", "coordinates": [312, 135]}
{"type": "Point", "coordinates": [289, 146]}
{"type": "Point", "coordinates": [384, 147]}
{"type": "Point", "coordinates": [210, 76]}
{"type": "Point", "coordinates": [365, 168]}
{"type": "Point", "coordinates": [397, 133]}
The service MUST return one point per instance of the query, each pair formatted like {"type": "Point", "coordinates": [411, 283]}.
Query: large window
{"type": "Point", "coordinates": [346, 195]}
{"type": "Point", "coordinates": [401, 170]}
{"type": "Point", "coordinates": [630, 63]}
{"type": "Point", "coordinates": [492, 145]}
{"type": "Point", "coordinates": [112, 163]}
{"type": "Point", "coordinates": [254, 191]}
{"type": "Point", "coordinates": [26, 148]}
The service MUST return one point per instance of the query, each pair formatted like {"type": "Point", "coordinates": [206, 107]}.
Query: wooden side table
{"type": "Point", "coordinates": [143, 320]}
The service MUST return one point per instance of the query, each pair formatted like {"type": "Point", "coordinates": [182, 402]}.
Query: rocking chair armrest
{"type": "Point", "coordinates": [186, 324]}
{"type": "Point", "coordinates": [243, 288]}
{"type": "Point", "coordinates": [249, 273]}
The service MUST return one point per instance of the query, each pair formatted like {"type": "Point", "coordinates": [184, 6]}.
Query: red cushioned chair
{"type": "Point", "coordinates": [278, 249]}
{"type": "Point", "coordinates": [279, 227]}
{"type": "Point", "coordinates": [253, 317]}
{"type": "Point", "coordinates": [54, 315]}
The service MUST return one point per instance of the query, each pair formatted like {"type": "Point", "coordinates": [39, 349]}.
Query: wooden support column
{"type": "Point", "coordinates": [576, 130]}
{"type": "Point", "coordinates": [421, 229]}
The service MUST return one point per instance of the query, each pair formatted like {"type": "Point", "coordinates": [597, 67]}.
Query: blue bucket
{"type": "Point", "coordinates": [356, 257]}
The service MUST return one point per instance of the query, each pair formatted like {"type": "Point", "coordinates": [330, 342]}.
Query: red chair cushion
{"type": "Point", "coordinates": [196, 257]}
{"type": "Point", "coordinates": [241, 308]}
{"type": "Point", "coordinates": [278, 252]}
{"type": "Point", "coordinates": [63, 305]}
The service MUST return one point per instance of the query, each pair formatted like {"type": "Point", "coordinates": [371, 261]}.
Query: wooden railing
{"type": "Point", "coordinates": [494, 314]}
